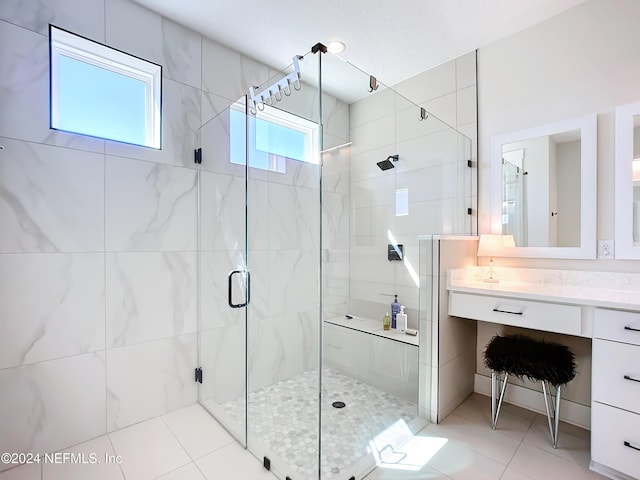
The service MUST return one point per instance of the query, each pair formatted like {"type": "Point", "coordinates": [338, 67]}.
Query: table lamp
{"type": "Point", "coordinates": [491, 245]}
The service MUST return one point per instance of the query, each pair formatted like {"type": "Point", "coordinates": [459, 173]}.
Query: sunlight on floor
{"type": "Point", "coordinates": [398, 448]}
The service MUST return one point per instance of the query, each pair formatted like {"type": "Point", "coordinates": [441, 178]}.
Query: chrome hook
{"type": "Point", "coordinates": [278, 94]}
{"type": "Point", "coordinates": [287, 89]}
{"type": "Point", "coordinates": [299, 87]}
{"type": "Point", "coordinates": [373, 83]}
{"type": "Point", "coordinates": [423, 114]}
{"type": "Point", "coordinates": [258, 106]}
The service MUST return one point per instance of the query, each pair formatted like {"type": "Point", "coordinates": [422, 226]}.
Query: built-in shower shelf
{"type": "Point", "coordinates": [374, 327]}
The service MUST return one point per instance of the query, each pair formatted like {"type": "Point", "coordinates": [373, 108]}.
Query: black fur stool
{"type": "Point", "coordinates": [551, 364]}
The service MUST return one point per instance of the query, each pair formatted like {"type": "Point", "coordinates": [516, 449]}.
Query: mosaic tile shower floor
{"type": "Point", "coordinates": [283, 417]}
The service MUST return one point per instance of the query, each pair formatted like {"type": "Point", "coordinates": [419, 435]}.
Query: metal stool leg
{"type": "Point", "coordinates": [495, 402]}
{"type": "Point", "coordinates": [555, 407]}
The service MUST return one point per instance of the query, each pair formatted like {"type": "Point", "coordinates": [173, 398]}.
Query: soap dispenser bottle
{"type": "Point", "coordinates": [401, 320]}
{"type": "Point", "coordinates": [395, 310]}
{"type": "Point", "coordinates": [386, 322]}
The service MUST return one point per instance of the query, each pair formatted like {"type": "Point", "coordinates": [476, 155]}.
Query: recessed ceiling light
{"type": "Point", "coordinates": [336, 46]}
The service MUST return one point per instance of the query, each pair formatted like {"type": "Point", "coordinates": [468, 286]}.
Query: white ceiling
{"type": "Point", "coordinates": [391, 39]}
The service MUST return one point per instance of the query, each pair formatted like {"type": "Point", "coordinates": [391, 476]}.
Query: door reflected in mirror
{"type": "Point", "coordinates": [541, 191]}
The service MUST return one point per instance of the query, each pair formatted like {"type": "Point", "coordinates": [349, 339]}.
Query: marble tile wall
{"type": "Point", "coordinates": [99, 258]}
{"type": "Point", "coordinates": [432, 167]}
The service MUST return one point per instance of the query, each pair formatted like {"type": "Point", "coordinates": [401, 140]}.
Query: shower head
{"type": "Point", "coordinates": [387, 164]}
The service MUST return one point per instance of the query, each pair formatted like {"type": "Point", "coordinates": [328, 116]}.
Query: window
{"type": "Point", "coordinates": [275, 136]}
{"type": "Point", "coordinates": [102, 92]}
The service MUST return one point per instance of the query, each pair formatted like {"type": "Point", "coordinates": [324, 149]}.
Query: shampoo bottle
{"type": "Point", "coordinates": [386, 321]}
{"type": "Point", "coordinates": [395, 310]}
{"type": "Point", "coordinates": [401, 320]}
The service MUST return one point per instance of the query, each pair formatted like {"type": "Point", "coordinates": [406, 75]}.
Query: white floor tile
{"type": "Point", "coordinates": [478, 437]}
{"type": "Point", "coordinates": [101, 463]}
{"type": "Point", "coordinates": [148, 450]}
{"type": "Point", "coordinates": [188, 472]}
{"type": "Point", "coordinates": [30, 471]}
{"type": "Point", "coordinates": [513, 421]}
{"type": "Point", "coordinates": [511, 474]}
{"type": "Point", "coordinates": [461, 463]}
{"type": "Point", "coordinates": [542, 465]}
{"type": "Point", "coordinates": [197, 431]}
{"type": "Point", "coordinates": [232, 461]}
{"type": "Point", "coordinates": [573, 442]}
{"type": "Point", "coordinates": [393, 474]}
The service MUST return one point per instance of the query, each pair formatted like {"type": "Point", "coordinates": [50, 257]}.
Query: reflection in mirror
{"type": "Point", "coordinates": [541, 190]}
{"type": "Point", "coordinates": [627, 182]}
{"type": "Point", "coordinates": [544, 189]}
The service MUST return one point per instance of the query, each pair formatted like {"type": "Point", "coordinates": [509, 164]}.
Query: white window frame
{"type": "Point", "coordinates": [64, 43]}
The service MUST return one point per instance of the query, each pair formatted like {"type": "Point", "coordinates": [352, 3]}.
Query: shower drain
{"type": "Point", "coordinates": [338, 404]}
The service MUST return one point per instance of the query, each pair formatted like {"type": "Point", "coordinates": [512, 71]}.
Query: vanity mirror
{"type": "Point", "coordinates": [544, 189]}
{"type": "Point", "coordinates": [627, 182]}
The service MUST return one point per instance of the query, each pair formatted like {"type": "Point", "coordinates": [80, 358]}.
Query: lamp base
{"type": "Point", "coordinates": [491, 280]}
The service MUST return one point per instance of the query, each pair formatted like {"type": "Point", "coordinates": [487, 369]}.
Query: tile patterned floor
{"type": "Point", "coordinates": [189, 445]}
{"type": "Point", "coordinates": [284, 418]}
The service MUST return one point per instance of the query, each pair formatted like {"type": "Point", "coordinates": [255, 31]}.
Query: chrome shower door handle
{"type": "Point", "coordinates": [230, 288]}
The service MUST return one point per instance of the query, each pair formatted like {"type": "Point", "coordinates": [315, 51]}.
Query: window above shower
{"type": "Point", "coordinates": [275, 136]}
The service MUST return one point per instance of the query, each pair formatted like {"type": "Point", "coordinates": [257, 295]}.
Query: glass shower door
{"type": "Point", "coordinates": [224, 289]}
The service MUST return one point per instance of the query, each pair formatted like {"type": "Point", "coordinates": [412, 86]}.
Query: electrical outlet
{"type": "Point", "coordinates": [605, 249]}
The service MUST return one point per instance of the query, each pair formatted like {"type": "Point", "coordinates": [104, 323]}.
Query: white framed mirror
{"type": "Point", "coordinates": [543, 189]}
{"type": "Point", "coordinates": [627, 182]}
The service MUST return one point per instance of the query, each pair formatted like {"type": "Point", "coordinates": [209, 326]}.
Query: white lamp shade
{"type": "Point", "coordinates": [492, 245]}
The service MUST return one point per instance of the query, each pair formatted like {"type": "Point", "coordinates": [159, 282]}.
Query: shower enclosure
{"type": "Point", "coordinates": [298, 227]}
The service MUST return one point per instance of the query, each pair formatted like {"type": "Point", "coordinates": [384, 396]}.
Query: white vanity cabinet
{"type": "Point", "coordinates": [615, 391]}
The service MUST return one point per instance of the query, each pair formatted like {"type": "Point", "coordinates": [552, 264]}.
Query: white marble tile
{"type": "Point", "coordinates": [293, 281]}
{"type": "Point", "coordinates": [213, 105]}
{"type": "Point", "coordinates": [82, 17]}
{"type": "Point", "coordinates": [335, 171]}
{"type": "Point", "coordinates": [232, 461]}
{"type": "Point", "coordinates": [197, 431]}
{"type": "Point", "coordinates": [149, 206]}
{"type": "Point", "coordinates": [335, 220]}
{"type": "Point", "coordinates": [377, 105]}
{"type": "Point", "coordinates": [188, 472]}
{"type": "Point", "coordinates": [466, 102]}
{"type": "Point", "coordinates": [430, 84]}
{"type": "Point", "coordinates": [224, 207]}
{"type": "Point", "coordinates": [173, 46]}
{"type": "Point", "coordinates": [51, 199]}
{"type": "Point", "coordinates": [294, 217]}
{"type": "Point", "coordinates": [29, 471]}
{"type": "Point", "coordinates": [148, 450]}
{"type": "Point", "coordinates": [180, 128]}
{"type": "Point", "coordinates": [375, 134]}
{"type": "Point", "coordinates": [99, 462]}
{"type": "Point", "coordinates": [150, 295]}
{"type": "Point", "coordinates": [24, 91]}
{"type": "Point", "coordinates": [47, 406]}
{"type": "Point", "coordinates": [336, 117]}
{"type": "Point", "coordinates": [52, 306]}
{"type": "Point", "coordinates": [466, 70]}
{"type": "Point", "coordinates": [150, 379]}
{"type": "Point", "coordinates": [222, 358]}
{"type": "Point", "coordinates": [299, 174]}
{"type": "Point", "coordinates": [240, 72]}
{"type": "Point", "coordinates": [424, 473]}
{"type": "Point", "coordinates": [443, 109]}
{"type": "Point", "coordinates": [394, 368]}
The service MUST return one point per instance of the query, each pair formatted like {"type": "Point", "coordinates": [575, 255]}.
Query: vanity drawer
{"type": "Point", "coordinates": [615, 439]}
{"type": "Point", "coordinates": [552, 317]}
{"type": "Point", "coordinates": [617, 325]}
{"type": "Point", "coordinates": [612, 362]}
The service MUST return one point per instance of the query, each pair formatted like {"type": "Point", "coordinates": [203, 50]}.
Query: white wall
{"type": "Point", "coordinates": [582, 61]}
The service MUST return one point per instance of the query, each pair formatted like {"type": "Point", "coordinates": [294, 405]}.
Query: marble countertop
{"type": "Point", "coordinates": [374, 327]}
{"type": "Point", "coordinates": [600, 289]}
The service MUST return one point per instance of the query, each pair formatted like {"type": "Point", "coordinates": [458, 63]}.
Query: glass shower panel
{"type": "Point", "coordinates": [222, 249]}
{"type": "Point", "coordinates": [284, 260]}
